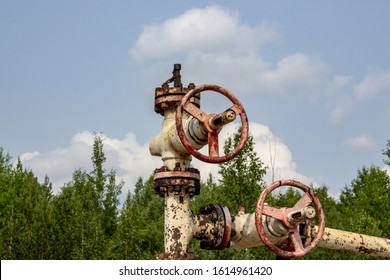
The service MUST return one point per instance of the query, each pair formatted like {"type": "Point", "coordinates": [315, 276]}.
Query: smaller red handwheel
{"type": "Point", "coordinates": [281, 214]}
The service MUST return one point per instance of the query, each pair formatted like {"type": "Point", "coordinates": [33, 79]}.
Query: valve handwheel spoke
{"type": "Point", "coordinates": [212, 130]}
{"type": "Point", "coordinates": [195, 112]}
{"type": "Point", "coordinates": [213, 144]}
{"type": "Point", "coordinates": [298, 249]}
{"type": "Point", "coordinates": [303, 202]}
{"type": "Point", "coordinates": [273, 212]}
{"type": "Point", "coordinates": [296, 240]}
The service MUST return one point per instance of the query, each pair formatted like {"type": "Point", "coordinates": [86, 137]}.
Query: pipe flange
{"type": "Point", "coordinates": [166, 96]}
{"type": "Point", "coordinates": [177, 181]}
{"type": "Point", "coordinates": [222, 231]}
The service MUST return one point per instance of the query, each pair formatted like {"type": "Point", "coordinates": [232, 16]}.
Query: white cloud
{"type": "Point", "coordinates": [372, 85]}
{"type": "Point", "coordinates": [341, 81]}
{"type": "Point", "coordinates": [340, 102]}
{"type": "Point", "coordinates": [132, 160]}
{"type": "Point", "coordinates": [337, 112]}
{"type": "Point", "coordinates": [60, 163]}
{"type": "Point", "coordinates": [341, 108]}
{"type": "Point", "coordinates": [209, 29]}
{"type": "Point", "coordinates": [127, 157]}
{"type": "Point", "coordinates": [362, 142]}
{"type": "Point", "coordinates": [295, 73]}
{"type": "Point", "coordinates": [273, 152]}
{"type": "Point", "coordinates": [246, 72]}
{"type": "Point", "coordinates": [215, 42]}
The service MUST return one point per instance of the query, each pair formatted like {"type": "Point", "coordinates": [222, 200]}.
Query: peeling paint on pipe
{"type": "Point", "coordinates": [354, 242]}
{"type": "Point", "coordinates": [247, 237]}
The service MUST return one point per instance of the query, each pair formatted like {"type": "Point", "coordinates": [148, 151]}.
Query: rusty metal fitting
{"type": "Point", "coordinates": [166, 96]}
{"type": "Point", "coordinates": [219, 216]}
{"type": "Point", "coordinates": [222, 119]}
{"type": "Point", "coordinates": [177, 181]}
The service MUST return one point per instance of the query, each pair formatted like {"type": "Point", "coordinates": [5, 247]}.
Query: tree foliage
{"type": "Point", "coordinates": [25, 214]}
{"type": "Point", "coordinates": [140, 232]}
{"type": "Point", "coordinates": [242, 177]}
{"type": "Point", "coordinates": [366, 200]}
{"type": "Point", "coordinates": [85, 220]}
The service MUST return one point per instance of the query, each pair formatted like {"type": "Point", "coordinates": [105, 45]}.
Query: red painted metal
{"type": "Point", "coordinates": [212, 131]}
{"type": "Point", "coordinates": [298, 249]}
{"type": "Point", "coordinates": [228, 228]}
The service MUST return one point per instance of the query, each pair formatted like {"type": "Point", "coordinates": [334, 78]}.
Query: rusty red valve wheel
{"type": "Point", "coordinates": [206, 121]}
{"type": "Point", "coordinates": [299, 250]}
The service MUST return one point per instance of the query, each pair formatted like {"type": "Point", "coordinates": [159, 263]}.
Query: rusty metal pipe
{"type": "Point", "coordinates": [246, 233]}
{"type": "Point", "coordinates": [179, 223]}
{"type": "Point", "coordinates": [354, 242]}
{"type": "Point", "coordinates": [222, 119]}
{"type": "Point", "coordinates": [247, 237]}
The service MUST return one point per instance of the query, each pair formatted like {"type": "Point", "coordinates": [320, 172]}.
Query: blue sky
{"type": "Point", "coordinates": [314, 77]}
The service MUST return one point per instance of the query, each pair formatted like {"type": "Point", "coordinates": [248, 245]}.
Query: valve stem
{"type": "Point", "coordinates": [222, 119]}
{"type": "Point", "coordinates": [306, 213]}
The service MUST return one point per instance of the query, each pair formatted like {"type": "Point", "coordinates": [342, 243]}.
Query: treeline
{"type": "Point", "coordinates": [85, 221]}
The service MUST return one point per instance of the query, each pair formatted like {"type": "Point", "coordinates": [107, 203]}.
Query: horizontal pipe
{"type": "Point", "coordinates": [335, 239]}
{"type": "Point", "coordinates": [354, 242]}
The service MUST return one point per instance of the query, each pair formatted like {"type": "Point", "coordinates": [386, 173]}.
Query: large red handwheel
{"type": "Point", "coordinates": [298, 249]}
{"type": "Point", "coordinates": [205, 120]}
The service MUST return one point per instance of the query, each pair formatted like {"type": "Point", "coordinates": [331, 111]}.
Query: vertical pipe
{"type": "Point", "coordinates": [178, 224]}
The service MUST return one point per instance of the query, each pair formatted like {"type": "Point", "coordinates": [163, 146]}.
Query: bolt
{"type": "Point", "coordinates": [177, 167]}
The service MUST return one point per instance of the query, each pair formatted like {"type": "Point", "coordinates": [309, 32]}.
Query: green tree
{"type": "Point", "coordinates": [25, 212]}
{"type": "Point", "coordinates": [107, 190]}
{"type": "Point", "coordinates": [242, 177]}
{"type": "Point", "coordinates": [366, 200]}
{"type": "Point", "coordinates": [140, 233]}
{"type": "Point", "coordinates": [7, 207]}
{"type": "Point", "coordinates": [86, 211]}
{"type": "Point", "coordinates": [78, 215]}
